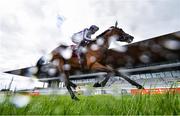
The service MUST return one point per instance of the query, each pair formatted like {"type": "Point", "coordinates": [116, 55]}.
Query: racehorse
{"type": "Point", "coordinates": [96, 53]}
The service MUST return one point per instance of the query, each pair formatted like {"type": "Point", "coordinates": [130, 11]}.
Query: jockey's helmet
{"type": "Point", "coordinates": [94, 28]}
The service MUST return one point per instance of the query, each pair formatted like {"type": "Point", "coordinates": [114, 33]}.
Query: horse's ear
{"type": "Point", "coordinates": [116, 24]}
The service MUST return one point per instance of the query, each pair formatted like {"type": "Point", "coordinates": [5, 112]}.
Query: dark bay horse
{"type": "Point", "coordinates": [96, 53]}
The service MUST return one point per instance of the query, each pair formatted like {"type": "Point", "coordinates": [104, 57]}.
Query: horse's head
{"type": "Point", "coordinates": [120, 35]}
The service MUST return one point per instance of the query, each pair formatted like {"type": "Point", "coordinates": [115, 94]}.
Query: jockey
{"type": "Point", "coordinates": [81, 39]}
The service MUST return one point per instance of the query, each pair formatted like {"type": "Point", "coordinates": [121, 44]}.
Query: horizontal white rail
{"type": "Point", "coordinates": [96, 75]}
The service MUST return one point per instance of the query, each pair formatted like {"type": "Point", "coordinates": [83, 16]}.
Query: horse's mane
{"type": "Point", "coordinates": [104, 32]}
{"type": "Point", "coordinates": [100, 35]}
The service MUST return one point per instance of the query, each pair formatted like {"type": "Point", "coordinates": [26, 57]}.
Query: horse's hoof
{"type": "Point", "coordinates": [77, 88]}
{"type": "Point", "coordinates": [140, 87]}
{"type": "Point", "coordinates": [97, 85]}
{"type": "Point", "coordinates": [75, 98]}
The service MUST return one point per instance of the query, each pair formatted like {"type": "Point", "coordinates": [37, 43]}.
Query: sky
{"type": "Point", "coordinates": [30, 28]}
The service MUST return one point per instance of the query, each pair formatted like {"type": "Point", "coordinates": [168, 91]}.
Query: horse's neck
{"type": "Point", "coordinates": [101, 48]}
{"type": "Point", "coordinates": [105, 44]}
{"type": "Point", "coordinates": [104, 36]}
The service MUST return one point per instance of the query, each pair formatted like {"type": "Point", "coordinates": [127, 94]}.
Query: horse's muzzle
{"type": "Point", "coordinates": [130, 39]}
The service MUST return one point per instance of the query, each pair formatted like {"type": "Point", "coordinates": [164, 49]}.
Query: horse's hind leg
{"type": "Point", "coordinates": [71, 92]}
{"type": "Point", "coordinates": [72, 84]}
{"type": "Point", "coordinates": [67, 84]}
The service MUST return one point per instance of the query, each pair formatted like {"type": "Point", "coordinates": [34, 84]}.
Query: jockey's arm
{"type": "Point", "coordinates": [87, 35]}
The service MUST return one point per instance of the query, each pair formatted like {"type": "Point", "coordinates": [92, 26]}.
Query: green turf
{"type": "Point", "coordinates": [168, 104]}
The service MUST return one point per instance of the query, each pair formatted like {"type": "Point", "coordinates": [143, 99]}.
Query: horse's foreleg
{"type": "Point", "coordinates": [103, 83]}
{"type": "Point", "coordinates": [129, 80]}
{"type": "Point", "coordinates": [99, 67]}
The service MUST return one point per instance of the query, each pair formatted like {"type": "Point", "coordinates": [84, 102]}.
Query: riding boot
{"type": "Point", "coordinates": [82, 61]}
{"type": "Point", "coordinates": [82, 56]}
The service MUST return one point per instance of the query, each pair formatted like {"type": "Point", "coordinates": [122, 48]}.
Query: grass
{"type": "Point", "coordinates": [167, 104]}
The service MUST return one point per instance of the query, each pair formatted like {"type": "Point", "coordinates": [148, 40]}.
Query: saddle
{"type": "Point", "coordinates": [75, 48]}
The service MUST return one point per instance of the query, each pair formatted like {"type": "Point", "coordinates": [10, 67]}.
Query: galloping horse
{"type": "Point", "coordinates": [95, 53]}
